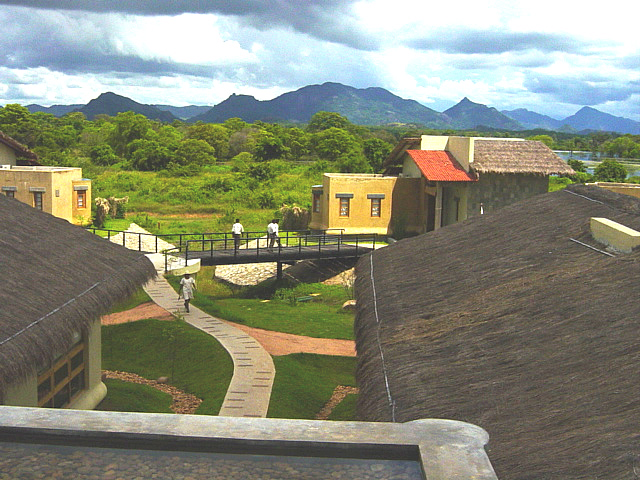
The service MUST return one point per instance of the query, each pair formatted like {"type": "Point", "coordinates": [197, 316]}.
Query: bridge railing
{"type": "Point", "coordinates": [152, 243]}
{"type": "Point", "coordinates": [285, 243]}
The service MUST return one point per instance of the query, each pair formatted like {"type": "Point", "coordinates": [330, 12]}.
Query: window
{"type": "Point", "coordinates": [344, 207]}
{"type": "Point", "coordinates": [82, 198]}
{"type": "Point", "coordinates": [316, 202]}
{"type": "Point", "coordinates": [37, 200]}
{"type": "Point", "coordinates": [375, 207]}
{"type": "Point", "coordinates": [344, 203]}
{"type": "Point", "coordinates": [58, 385]}
{"type": "Point", "coordinates": [10, 193]}
{"type": "Point", "coordinates": [376, 203]}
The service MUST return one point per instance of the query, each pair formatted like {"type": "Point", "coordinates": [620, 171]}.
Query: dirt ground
{"type": "Point", "coordinates": [276, 343]}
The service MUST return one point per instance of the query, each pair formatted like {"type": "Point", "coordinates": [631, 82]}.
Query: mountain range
{"type": "Point", "coordinates": [367, 106]}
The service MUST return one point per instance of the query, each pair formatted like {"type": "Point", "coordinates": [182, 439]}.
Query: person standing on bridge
{"type": "Point", "coordinates": [272, 233]}
{"type": "Point", "coordinates": [187, 288]}
{"type": "Point", "coordinates": [237, 230]}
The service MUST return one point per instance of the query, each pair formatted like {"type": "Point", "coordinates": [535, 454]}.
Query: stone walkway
{"type": "Point", "coordinates": [249, 392]}
{"type": "Point", "coordinates": [253, 370]}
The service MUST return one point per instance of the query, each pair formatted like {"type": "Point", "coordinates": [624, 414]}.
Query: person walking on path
{"type": "Point", "coordinates": [187, 288]}
{"type": "Point", "coordinates": [237, 230]}
{"type": "Point", "coordinates": [272, 233]}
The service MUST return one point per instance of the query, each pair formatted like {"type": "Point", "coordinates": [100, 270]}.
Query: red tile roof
{"type": "Point", "coordinates": [440, 166]}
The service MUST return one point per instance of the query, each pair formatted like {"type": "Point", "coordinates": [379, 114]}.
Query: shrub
{"type": "Point", "coordinates": [610, 171]}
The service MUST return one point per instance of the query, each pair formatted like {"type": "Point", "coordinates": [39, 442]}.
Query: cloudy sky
{"type": "Point", "coordinates": [550, 56]}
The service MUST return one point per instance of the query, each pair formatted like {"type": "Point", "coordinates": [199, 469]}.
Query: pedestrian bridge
{"type": "Point", "coordinates": [218, 248]}
{"type": "Point", "coordinates": [293, 246]}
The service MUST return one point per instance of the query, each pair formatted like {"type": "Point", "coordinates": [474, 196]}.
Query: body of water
{"type": "Point", "coordinates": [591, 161]}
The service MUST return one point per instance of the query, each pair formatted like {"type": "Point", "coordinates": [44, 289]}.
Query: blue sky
{"type": "Point", "coordinates": [552, 57]}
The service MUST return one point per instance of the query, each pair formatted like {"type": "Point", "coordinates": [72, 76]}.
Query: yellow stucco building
{"type": "Point", "coordinates": [60, 191]}
{"type": "Point", "coordinates": [434, 181]}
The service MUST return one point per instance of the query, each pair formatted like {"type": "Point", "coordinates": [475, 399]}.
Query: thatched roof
{"type": "Point", "coordinates": [513, 156]}
{"type": "Point", "coordinates": [56, 279]}
{"type": "Point", "coordinates": [20, 149]}
{"type": "Point", "coordinates": [505, 322]}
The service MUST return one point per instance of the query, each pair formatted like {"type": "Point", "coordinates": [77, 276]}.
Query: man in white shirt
{"type": "Point", "coordinates": [272, 233]}
{"type": "Point", "coordinates": [237, 230]}
{"type": "Point", "coordinates": [187, 287]}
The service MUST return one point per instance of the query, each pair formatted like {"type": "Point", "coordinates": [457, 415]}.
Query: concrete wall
{"type": "Point", "coordinates": [25, 393]}
{"type": "Point", "coordinates": [630, 189]}
{"type": "Point", "coordinates": [408, 215]}
{"type": "Point", "coordinates": [7, 155]}
{"type": "Point", "coordinates": [409, 168]}
{"type": "Point", "coordinates": [59, 197]}
{"type": "Point", "coordinates": [454, 203]}
{"type": "Point", "coordinates": [495, 191]}
{"type": "Point", "coordinates": [462, 149]}
{"type": "Point", "coordinates": [359, 219]}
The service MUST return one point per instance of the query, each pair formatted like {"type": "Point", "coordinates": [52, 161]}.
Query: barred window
{"type": "Point", "coordinates": [37, 200]}
{"type": "Point", "coordinates": [58, 385]}
{"type": "Point", "coordinates": [344, 207]}
{"type": "Point", "coordinates": [375, 207]}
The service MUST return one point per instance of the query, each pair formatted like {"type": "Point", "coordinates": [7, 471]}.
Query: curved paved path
{"type": "Point", "coordinates": [253, 370]}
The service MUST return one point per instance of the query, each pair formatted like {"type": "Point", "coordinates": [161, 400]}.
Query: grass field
{"type": "Point", "coordinates": [304, 383]}
{"type": "Point", "coordinates": [319, 317]}
{"type": "Point", "coordinates": [194, 361]}
{"type": "Point", "coordinates": [131, 397]}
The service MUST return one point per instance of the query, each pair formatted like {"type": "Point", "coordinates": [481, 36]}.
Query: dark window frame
{"type": "Point", "coordinates": [61, 384]}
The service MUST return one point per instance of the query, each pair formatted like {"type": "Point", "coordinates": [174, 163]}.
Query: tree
{"type": "Point", "coordinates": [195, 152]}
{"type": "Point", "coordinates": [242, 141]}
{"type": "Point", "coordinates": [269, 147]}
{"type": "Point", "coordinates": [376, 151]}
{"type": "Point", "coordinates": [150, 155]}
{"type": "Point", "coordinates": [234, 124]}
{"type": "Point", "coordinates": [298, 142]}
{"type": "Point", "coordinates": [168, 136]}
{"type": "Point", "coordinates": [546, 139]}
{"type": "Point", "coordinates": [334, 143]}
{"type": "Point", "coordinates": [325, 120]}
{"type": "Point", "coordinates": [17, 122]}
{"type": "Point", "coordinates": [622, 147]}
{"type": "Point", "coordinates": [128, 126]}
{"type": "Point", "coordinates": [103, 155]}
{"type": "Point", "coordinates": [353, 162]}
{"type": "Point", "coordinates": [577, 165]}
{"type": "Point", "coordinates": [610, 171]}
{"type": "Point", "coordinates": [215, 135]}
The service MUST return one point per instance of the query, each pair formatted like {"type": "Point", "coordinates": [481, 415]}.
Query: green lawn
{"type": "Point", "coordinates": [304, 383]}
{"type": "Point", "coordinates": [131, 397]}
{"type": "Point", "coordinates": [138, 298]}
{"type": "Point", "coordinates": [193, 360]}
{"type": "Point", "coordinates": [320, 317]}
{"type": "Point", "coordinates": [345, 410]}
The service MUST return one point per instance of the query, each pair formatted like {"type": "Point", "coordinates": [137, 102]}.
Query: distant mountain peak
{"type": "Point", "coordinates": [369, 106]}
{"type": "Point", "coordinates": [110, 103]}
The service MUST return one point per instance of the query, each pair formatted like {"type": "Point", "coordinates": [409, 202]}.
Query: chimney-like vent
{"type": "Point", "coordinates": [614, 235]}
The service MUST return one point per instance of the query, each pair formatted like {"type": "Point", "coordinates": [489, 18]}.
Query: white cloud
{"type": "Point", "coordinates": [186, 38]}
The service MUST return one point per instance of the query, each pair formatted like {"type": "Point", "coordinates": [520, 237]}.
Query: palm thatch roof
{"type": "Point", "coordinates": [513, 156]}
{"type": "Point", "coordinates": [22, 151]}
{"type": "Point", "coordinates": [57, 278]}
{"type": "Point", "coordinates": [507, 322]}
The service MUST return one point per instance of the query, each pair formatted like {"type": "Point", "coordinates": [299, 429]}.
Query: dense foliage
{"type": "Point", "coordinates": [234, 166]}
